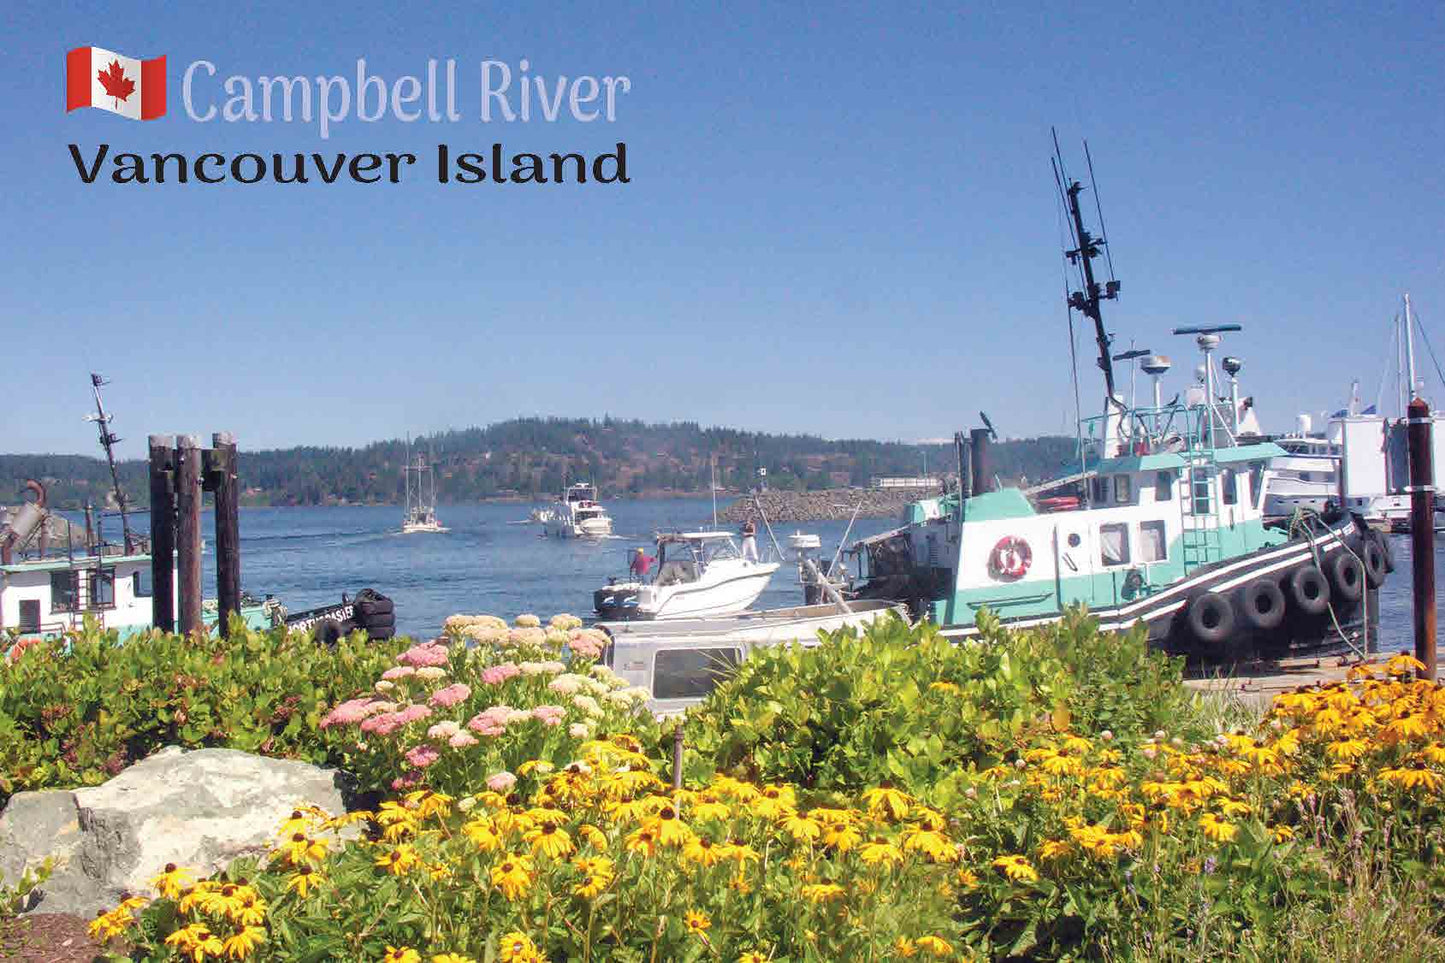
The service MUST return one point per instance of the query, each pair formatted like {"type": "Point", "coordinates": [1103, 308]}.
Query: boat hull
{"type": "Point", "coordinates": [733, 591]}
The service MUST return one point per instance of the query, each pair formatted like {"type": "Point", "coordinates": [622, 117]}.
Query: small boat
{"type": "Point", "coordinates": [577, 514]}
{"type": "Point", "coordinates": [421, 500]}
{"type": "Point", "coordinates": [698, 574]}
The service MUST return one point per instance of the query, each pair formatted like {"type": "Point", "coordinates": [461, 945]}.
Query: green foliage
{"type": "Point", "coordinates": [908, 706]}
{"type": "Point", "coordinates": [75, 711]}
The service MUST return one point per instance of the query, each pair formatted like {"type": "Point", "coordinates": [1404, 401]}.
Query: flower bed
{"type": "Point", "coordinates": [1048, 835]}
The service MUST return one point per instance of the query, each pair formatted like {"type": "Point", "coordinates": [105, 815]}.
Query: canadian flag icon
{"type": "Point", "coordinates": [95, 77]}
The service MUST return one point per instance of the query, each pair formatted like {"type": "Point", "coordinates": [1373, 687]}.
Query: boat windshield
{"type": "Point", "coordinates": [581, 493]}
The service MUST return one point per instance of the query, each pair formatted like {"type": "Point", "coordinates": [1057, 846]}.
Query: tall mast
{"type": "Point", "coordinates": [1410, 349]}
{"type": "Point", "coordinates": [107, 441]}
{"type": "Point", "coordinates": [1087, 247]}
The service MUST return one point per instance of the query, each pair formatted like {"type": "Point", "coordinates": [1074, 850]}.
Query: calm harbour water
{"type": "Point", "coordinates": [486, 564]}
{"type": "Point", "coordinates": [489, 563]}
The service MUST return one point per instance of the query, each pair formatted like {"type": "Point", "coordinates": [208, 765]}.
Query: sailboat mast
{"type": "Point", "coordinates": [1410, 349]}
{"type": "Point", "coordinates": [107, 441]}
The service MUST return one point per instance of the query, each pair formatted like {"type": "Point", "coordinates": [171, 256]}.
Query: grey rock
{"type": "Point", "coordinates": [200, 809]}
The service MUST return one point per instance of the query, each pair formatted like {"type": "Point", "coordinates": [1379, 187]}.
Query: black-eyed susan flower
{"type": "Point", "coordinates": [517, 948]}
{"type": "Point", "coordinates": [885, 802]}
{"type": "Point", "coordinates": [934, 945]}
{"type": "Point", "coordinates": [697, 922]}
{"type": "Point", "coordinates": [821, 892]}
{"type": "Point", "coordinates": [879, 850]}
{"type": "Point", "coordinates": [401, 954]}
{"type": "Point", "coordinates": [549, 839]}
{"type": "Point", "coordinates": [399, 861]}
{"type": "Point", "coordinates": [1216, 829]}
{"type": "Point", "coordinates": [303, 880]}
{"type": "Point", "coordinates": [801, 828]}
{"type": "Point", "coordinates": [704, 852]}
{"type": "Point", "coordinates": [451, 958]}
{"type": "Point", "coordinates": [1016, 868]}
{"type": "Point", "coordinates": [241, 944]}
{"type": "Point", "coordinates": [171, 881]}
{"type": "Point", "coordinates": [513, 876]}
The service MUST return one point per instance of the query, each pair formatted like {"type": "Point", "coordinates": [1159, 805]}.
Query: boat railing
{"type": "Point", "coordinates": [1150, 430]}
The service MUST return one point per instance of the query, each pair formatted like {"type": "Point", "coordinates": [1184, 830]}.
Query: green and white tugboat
{"type": "Point", "coordinates": [1163, 522]}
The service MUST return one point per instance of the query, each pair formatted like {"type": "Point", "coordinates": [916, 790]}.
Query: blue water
{"type": "Point", "coordinates": [486, 564]}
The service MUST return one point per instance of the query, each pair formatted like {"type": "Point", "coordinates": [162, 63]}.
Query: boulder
{"type": "Point", "coordinates": [199, 809]}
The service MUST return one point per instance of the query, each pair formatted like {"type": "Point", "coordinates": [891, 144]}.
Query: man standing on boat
{"type": "Point", "coordinates": [641, 564]}
{"type": "Point", "coordinates": [750, 541]}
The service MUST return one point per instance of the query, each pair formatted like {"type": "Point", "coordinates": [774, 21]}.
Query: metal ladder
{"type": "Point", "coordinates": [1199, 512]}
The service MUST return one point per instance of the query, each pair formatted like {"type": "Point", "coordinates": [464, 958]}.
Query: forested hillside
{"type": "Point", "coordinates": [532, 457]}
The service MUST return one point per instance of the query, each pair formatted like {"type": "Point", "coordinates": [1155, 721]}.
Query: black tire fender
{"type": "Point", "coordinates": [368, 608]}
{"type": "Point", "coordinates": [1309, 590]}
{"type": "Point", "coordinates": [1211, 618]}
{"type": "Point", "coordinates": [1387, 548]}
{"type": "Point", "coordinates": [1372, 554]}
{"type": "Point", "coordinates": [1347, 576]}
{"type": "Point", "coordinates": [328, 632]}
{"type": "Point", "coordinates": [1261, 604]}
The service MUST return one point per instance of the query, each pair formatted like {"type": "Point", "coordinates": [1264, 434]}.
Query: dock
{"type": "Point", "coordinates": [1257, 683]}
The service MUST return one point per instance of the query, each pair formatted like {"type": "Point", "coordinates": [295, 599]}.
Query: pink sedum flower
{"type": "Point", "coordinates": [451, 695]}
{"type": "Point", "coordinates": [490, 722]}
{"type": "Point", "coordinates": [462, 740]}
{"type": "Point", "coordinates": [497, 674]}
{"type": "Point", "coordinates": [422, 756]}
{"type": "Point", "coordinates": [414, 713]}
{"type": "Point", "coordinates": [549, 715]}
{"type": "Point", "coordinates": [427, 653]}
{"type": "Point", "coordinates": [398, 672]}
{"type": "Point", "coordinates": [347, 713]}
{"type": "Point", "coordinates": [501, 781]}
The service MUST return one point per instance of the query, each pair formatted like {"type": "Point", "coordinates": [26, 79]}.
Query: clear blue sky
{"type": "Point", "coordinates": [841, 219]}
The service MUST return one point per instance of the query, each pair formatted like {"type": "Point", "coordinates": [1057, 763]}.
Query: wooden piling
{"type": "Point", "coordinates": [163, 532]}
{"type": "Point", "coordinates": [228, 538]}
{"type": "Point", "coordinates": [188, 533]}
{"type": "Point", "coordinates": [1422, 533]}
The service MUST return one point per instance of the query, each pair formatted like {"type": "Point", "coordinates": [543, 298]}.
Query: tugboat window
{"type": "Point", "coordinates": [1152, 547]}
{"type": "Point", "coordinates": [1114, 544]}
{"type": "Point", "coordinates": [141, 584]}
{"type": "Point", "coordinates": [690, 673]}
{"type": "Point", "coordinates": [64, 591]}
{"type": "Point", "coordinates": [1231, 489]}
{"type": "Point", "coordinates": [1100, 486]}
{"type": "Point", "coordinates": [1164, 486]}
{"type": "Point", "coordinates": [1123, 489]}
{"type": "Point", "coordinates": [102, 588]}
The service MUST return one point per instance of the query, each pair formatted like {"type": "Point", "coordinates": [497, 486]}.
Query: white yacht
{"type": "Point", "coordinates": [578, 514]}
{"type": "Point", "coordinates": [1306, 476]}
{"type": "Point", "coordinates": [698, 574]}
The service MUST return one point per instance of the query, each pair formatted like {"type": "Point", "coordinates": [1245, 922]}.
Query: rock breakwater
{"type": "Point", "coordinates": [825, 504]}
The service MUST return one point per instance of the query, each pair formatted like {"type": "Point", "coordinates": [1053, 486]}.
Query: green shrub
{"type": "Point", "coordinates": [910, 707]}
{"type": "Point", "coordinates": [74, 712]}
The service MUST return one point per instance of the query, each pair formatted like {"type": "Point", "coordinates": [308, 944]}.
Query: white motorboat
{"type": "Point", "coordinates": [577, 514]}
{"type": "Point", "coordinates": [698, 574]}
{"type": "Point", "coordinates": [421, 500]}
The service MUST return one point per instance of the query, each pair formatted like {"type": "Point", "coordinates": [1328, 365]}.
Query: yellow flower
{"type": "Point", "coordinates": [105, 925]}
{"type": "Point", "coordinates": [1404, 663]}
{"type": "Point", "coordinates": [1053, 849]}
{"type": "Point", "coordinates": [451, 958]}
{"type": "Point", "coordinates": [703, 852]}
{"type": "Point", "coordinates": [1016, 868]}
{"type": "Point", "coordinates": [301, 848]}
{"type": "Point", "coordinates": [904, 947]}
{"type": "Point", "coordinates": [517, 948]}
{"type": "Point", "coordinates": [879, 851]}
{"type": "Point", "coordinates": [302, 880]}
{"type": "Point", "coordinates": [642, 841]}
{"type": "Point", "coordinates": [197, 940]}
{"type": "Point", "coordinates": [1347, 750]}
{"type": "Point", "coordinates": [513, 876]}
{"type": "Point", "coordinates": [592, 836]}
{"type": "Point", "coordinates": [774, 802]}
{"type": "Point", "coordinates": [597, 875]}
{"type": "Point", "coordinates": [1217, 829]}
{"type": "Point", "coordinates": [801, 828]}
{"type": "Point", "coordinates": [885, 802]}
{"type": "Point", "coordinates": [965, 878]}
{"type": "Point", "coordinates": [402, 954]}
{"type": "Point", "coordinates": [549, 839]}
{"type": "Point", "coordinates": [482, 834]}
{"type": "Point", "coordinates": [669, 830]}
{"type": "Point", "coordinates": [171, 881]}
{"type": "Point", "coordinates": [1413, 778]}
{"type": "Point", "coordinates": [1282, 834]}
{"type": "Point", "coordinates": [842, 836]}
{"type": "Point", "coordinates": [752, 956]}
{"type": "Point", "coordinates": [399, 861]}
{"type": "Point", "coordinates": [240, 945]}
{"type": "Point", "coordinates": [696, 922]}
{"type": "Point", "coordinates": [935, 945]}
{"type": "Point", "coordinates": [821, 892]}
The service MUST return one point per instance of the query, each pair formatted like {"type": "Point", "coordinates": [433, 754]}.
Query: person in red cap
{"type": "Point", "coordinates": [641, 564]}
